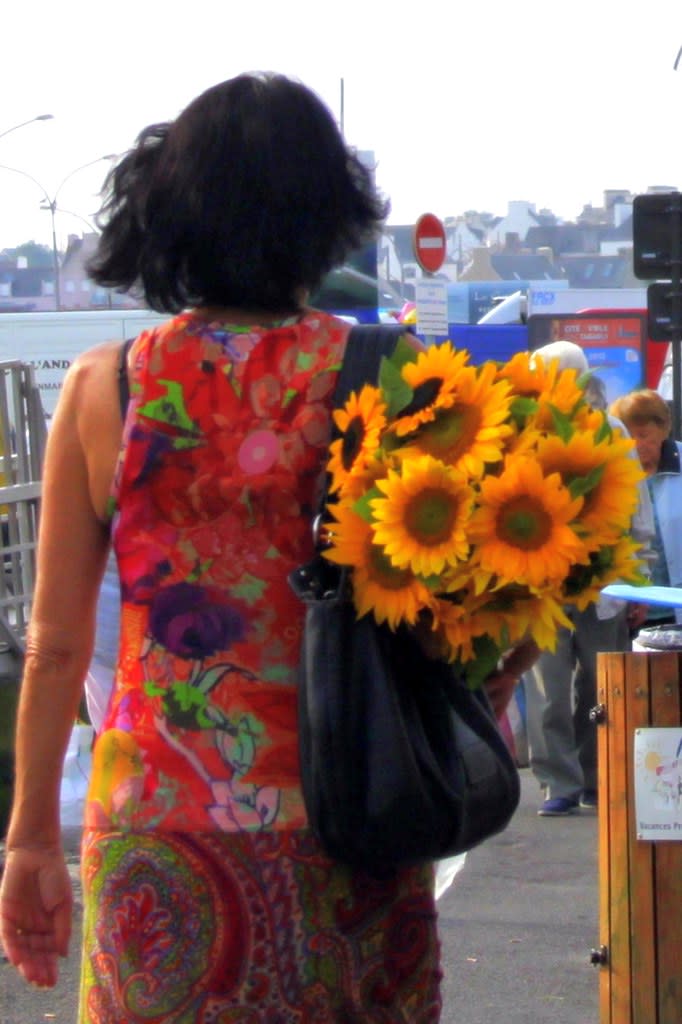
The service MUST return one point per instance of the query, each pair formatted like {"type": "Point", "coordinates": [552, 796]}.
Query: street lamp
{"type": "Point", "coordinates": [40, 117]}
{"type": "Point", "coordinates": [92, 228]}
{"type": "Point", "coordinates": [51, 205]}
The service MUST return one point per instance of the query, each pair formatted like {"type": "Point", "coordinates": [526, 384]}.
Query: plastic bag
{"type": "Point", "coordinates": [98, 686]}
{"type": "Point", "coordinates": [446, 871]}
{"type": "Point", "coordinates": [76, 775]}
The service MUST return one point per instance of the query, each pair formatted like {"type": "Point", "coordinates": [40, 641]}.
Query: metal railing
{"type": "Point", "coordinates": [23, 434]}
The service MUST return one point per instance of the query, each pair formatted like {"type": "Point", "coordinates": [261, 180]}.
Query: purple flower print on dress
{"type": "Point", "coordinates": [191, 622]}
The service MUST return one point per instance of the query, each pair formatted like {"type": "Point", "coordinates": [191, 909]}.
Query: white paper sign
{"type": "Point", "coordinates": [431, 300]}
{"type": "Point", "coordinates": [658, 783]}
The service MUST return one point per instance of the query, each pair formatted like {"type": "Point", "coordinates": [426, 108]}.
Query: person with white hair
{"type": "Point", "coordinates": [561, 688]}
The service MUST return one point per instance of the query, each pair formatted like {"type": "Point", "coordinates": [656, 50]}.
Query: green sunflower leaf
{"type": "Point", "coordinates": [582, 485]}
{"type": "Point", "coordinates": [402, 353]}
{"type": "Point", "coordinates": [604, 432]}
{"type": "Point", "coordinates": [562, 424]}
{"type": "Point", "coordinates": [397, 394]}
{"type": "Point", "coordinates": [487, 654]}
{"type": "Point", "coordinates": [362, 506]}
{"type": "Point", "coordinates": [522, 408]}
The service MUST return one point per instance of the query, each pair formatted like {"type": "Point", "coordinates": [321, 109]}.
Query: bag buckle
{"type": "Point", "coordinates": [319, 580]}
{"type": "Point", "coordinates": [320, 532]}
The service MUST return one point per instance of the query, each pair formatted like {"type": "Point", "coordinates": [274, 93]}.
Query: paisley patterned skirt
{"type": "Point", "coordinates": [206, 928]}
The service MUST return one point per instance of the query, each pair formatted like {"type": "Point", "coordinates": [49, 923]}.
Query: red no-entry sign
{"type": "Point", "coordinates": [428, 242]}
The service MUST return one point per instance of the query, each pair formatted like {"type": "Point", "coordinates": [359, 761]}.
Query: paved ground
{"type": "Point", "coordinates": [517, 927]}
{"type": "Point", "coordinates": [520, 921]}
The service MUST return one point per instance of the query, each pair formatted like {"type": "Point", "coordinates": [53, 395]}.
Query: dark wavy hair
{"type": "Point", "coordinates": [248, 197]}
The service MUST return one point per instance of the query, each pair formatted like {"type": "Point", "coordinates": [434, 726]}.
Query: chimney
{"type": "Point", "coordinates": [480, 268]}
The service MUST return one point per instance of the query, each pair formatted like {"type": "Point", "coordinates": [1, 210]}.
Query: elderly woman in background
{"type": "Point", "coordinates": [647, 417]}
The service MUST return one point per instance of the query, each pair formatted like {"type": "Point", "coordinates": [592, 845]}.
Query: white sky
{"type": "Point", "coordinates": [466, 105]}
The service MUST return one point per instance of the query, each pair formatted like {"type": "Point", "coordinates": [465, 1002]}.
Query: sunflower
{"type": "Point", "coordinates": [422, 520]}
{"type": "Point", "coordinates": [391, 594]}
{"type": "Point", "coordinates": [466, 575]}
{"type": "Point", "coordinates": [528, 613]}
{"type": "Point", "coordinates": [472, 430]}
{"type": "Point", "coordinates": [455, 629]}
{"type": "Point", "coordinates": [434, 379]}
{"type": "Point", "coordinates": [523, 441]}
{"type": "Point", "coordinates": [475, 503]}
{"type": "Point", "coordinates": [361, 422]}
{"type": "Point", "coordinates": [594, 420]}
{"type": "Point", "coordinates": [564, 397]}
{"type": "Point", "coordinates": [609, 564]}
{"type": "Point", "coordinates": [607, 475]}
{"type": "Point", "coordinates": [521, 527]}
{"type": "Point", "coordinates": [528, 381]}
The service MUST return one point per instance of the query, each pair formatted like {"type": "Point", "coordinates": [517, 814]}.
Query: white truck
{"type": "Point", "coordinates": [51, 341]}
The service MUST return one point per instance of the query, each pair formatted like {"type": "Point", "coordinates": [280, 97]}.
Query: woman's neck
{"type": "Point", "coordinates": [246, 317]}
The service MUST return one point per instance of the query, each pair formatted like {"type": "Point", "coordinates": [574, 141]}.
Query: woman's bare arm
{"type": "Point", "coordinates": [35, 899]}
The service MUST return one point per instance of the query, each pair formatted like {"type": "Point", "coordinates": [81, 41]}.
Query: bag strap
{"type": "Point", "coordinates": [366, 345]}
{"type": "Point", "coordinates": [122, 375]}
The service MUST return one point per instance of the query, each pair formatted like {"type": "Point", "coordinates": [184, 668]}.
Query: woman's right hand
{"type": "Point", "coordinates": [637, 615]}
{"type": "Point", "coordinates": [36, 902]}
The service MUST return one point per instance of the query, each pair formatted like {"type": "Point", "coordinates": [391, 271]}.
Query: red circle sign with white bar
{"type": "Point", "coordinates": [428, 242]}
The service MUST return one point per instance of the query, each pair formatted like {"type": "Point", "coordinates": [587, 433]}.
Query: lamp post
{"type": "Point", "coordinates": [51, 205]}
{"type": "Point", "coordinates": [40, 117]}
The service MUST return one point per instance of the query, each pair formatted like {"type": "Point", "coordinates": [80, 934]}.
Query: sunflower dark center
{"type": "Point", "coordinates": [452, 432]}
{"type": "Point", "coordinates": [352, 442]}
{"type": "Point", "coordinates": [384, 572]}
{"type": "Point", "coordinates": [424, 395]}
{"type": "Point", "coordinates": [430, 516]}
{"type": "Point", "coordinates": [524, 523]}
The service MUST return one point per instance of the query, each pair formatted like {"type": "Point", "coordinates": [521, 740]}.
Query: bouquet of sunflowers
{"type": "Point", "coordinates": [474, 503]}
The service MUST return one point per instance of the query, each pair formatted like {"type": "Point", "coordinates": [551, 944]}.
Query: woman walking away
{"type": "Point", "coordinates": [206, 896]}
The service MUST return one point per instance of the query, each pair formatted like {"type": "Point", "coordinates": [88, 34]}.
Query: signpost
{"type": "Point", "coordinates": [429, 247]}
{"type": "Point", "coordinates": [657, 252]}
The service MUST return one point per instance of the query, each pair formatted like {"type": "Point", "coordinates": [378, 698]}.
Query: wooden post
{"type": "Point", "coordinates": [640, 883]}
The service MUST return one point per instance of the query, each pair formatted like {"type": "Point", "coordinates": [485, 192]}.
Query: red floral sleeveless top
{"type": "Point", "coordinates": [223, 453]}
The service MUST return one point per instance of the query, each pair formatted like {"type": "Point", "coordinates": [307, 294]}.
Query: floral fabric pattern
{"type": "Point", "coordinates": [256, 928]}
{"type": "Point", "coordinates": [223, 454]}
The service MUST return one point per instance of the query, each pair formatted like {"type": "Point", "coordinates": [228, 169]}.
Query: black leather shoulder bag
{"type": "Point", "coordinates": [401, 762]}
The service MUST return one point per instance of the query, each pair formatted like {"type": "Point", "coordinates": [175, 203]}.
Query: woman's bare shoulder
{"type": "Point", "coordinates": [97, 359]}
{"type": "Point", "coordinates": [88, 402]}
{"type": "Point", "coordinates": [92, 375]}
